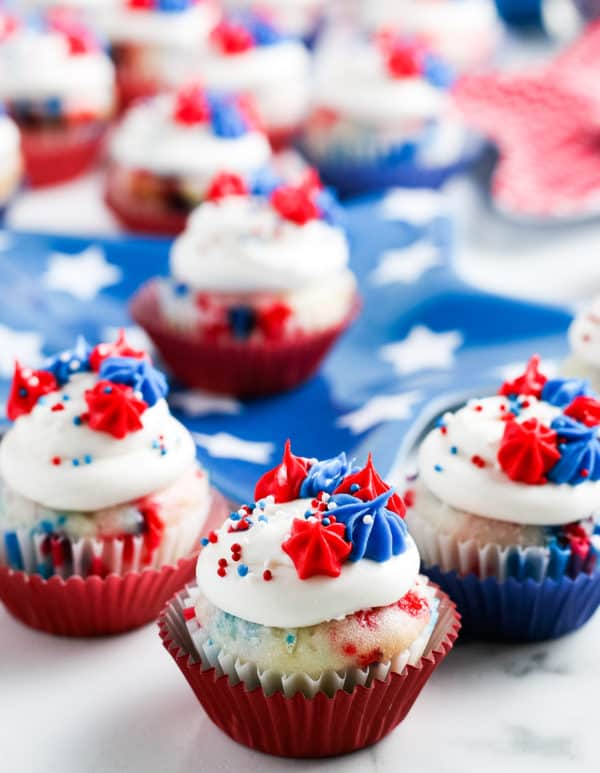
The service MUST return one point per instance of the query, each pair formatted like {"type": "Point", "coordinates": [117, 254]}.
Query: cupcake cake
{"type": "Point", "coordinates": [167, 150]}
{"type": "Point", "coordinates": [300, 18]}
{"type": "Point", "coordinates": [309, 614]}
{"type": "Point", "coordinates": [101, 499]}
{"type": "Point", "coordinates": [465, 32]}
{"type": "Point", "coordinates": [248, 53]}
{"type": "Point", "coordinates": [584, 340]}
{"type": "Point", "coordinates": [11, 164]}
{"type": "Point", "coordinates": [58, 85]}
{"type": "Point", "coordinates": [259, 288]}
{"type": "Point", "coordinates": [153, 41]}
{"type": "Point", "coordinates": [383, 114]}
{"type": "Point", "coordinates": [503, 508]}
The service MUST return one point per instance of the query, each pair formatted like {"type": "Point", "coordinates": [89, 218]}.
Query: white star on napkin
{"type": "Point", "coordinates": [226, 446]}
{"type": "Point", "coordinates": [378, 409]}
{"type": "Point", "coordinates": [25, 346]}
{"type": "Point", "coordinates": [422, 349]}
{"type": "Point", "coordinates": [83, 275]}
{"type": "Point", "coordinates": [416, 207]}
{"type": "Point", "coordinates": [406, 264]}
{"type": "Point", "coordinates": [199, 403]}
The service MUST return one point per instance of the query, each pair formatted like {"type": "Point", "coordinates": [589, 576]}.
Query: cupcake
{"type": "Point", "coordinates": [465, 32]}
{"type": "Point", "coordinates": [153, 41]}
{"type": "Point", "coordinates": [58, 85]}
{"type": "Point", "coordinates": [11, 164]}
{"type": "Point", "coordinates": [167, 150]}
{"type": "Point", "coordinates": [259, 288]}
{"type": "Point", "coordinates": [502, 508]}
{"type": "Point", "coordinates": [584, 340]}
{"type": "Point", "coordinates": [309, 631]}
{"type": "Point", "coordinates": [101, 499]}
{"type": "Point", "coordinates": [383, 115]}
{"type": "Point", "coordinates": [300, 18]}
{"type": "Point", "coordinates": [248, 53]}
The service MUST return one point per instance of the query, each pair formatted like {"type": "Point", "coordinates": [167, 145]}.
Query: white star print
{"type": "Point", "coordinates": [378, 409]}
{"type": "Point", "coordinates": [422, 349]}
{"type": "Point", "coordinates": [82, 275]}
{"type": "Point", "coordinates": [198, 403]}
{"type": "Point", "coordinates": [225, 446]}
{"type": "Point", "coordinates": [6, 241]}
{"type": "Point", "coordinates": [22, 345]}
{"type": "Point", "coordinates": [406, 264]}
{"type": "Point", "coordinates": [417, 207]}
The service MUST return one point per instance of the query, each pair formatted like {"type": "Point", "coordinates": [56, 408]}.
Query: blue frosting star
{"type": "Point", "coordinates": [67, 363]}
{"type": "Point", "coordinates": [376, 533]}
{"type": "Point", "coordinates": [562, 391]}
{"type": "Point", "coordinates": [437, 72]}
{"type": "Point", "coordinates": [579, 452]}
{"type": "Point", "coordinates": [326, 475]}
{"type": "Point", "coordinates": [226, 117]}
{"type": "Point", "coordinates": [139, 374]}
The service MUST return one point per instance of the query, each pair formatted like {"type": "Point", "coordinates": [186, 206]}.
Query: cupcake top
{"type": "Point", "coordinates": [251, 238]}
{"type": "Point", "coordinates": [584, 335]}
{"type": "Point", "coordinates": [54, 57]}
{"type": "Point", "coordinates": [382, 78]}
{"type": "Point", "coordinates": [92, 429]}
{"type": "Point", "coordinates": [9, 138]}
{"type": "Point", "coordinates": [163, 22]}
{"type": "Point", "coordinates": [529, 455]}
{"type": "Point", "coordinates": [325, 539]}
{"type": "Point", "coordinates": [194, 132]}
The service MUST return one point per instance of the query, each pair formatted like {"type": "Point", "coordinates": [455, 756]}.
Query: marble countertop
{"type": "Point", "coordinates": [119, 705]}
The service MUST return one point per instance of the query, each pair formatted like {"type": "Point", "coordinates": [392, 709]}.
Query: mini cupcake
{"type": "Point", "coordinates": [101, 498]}
{"type": "Point", "coordinates": [300, 18]}
{"type": "Point", "coordinates": [465, 32]}
{"type": "Point", "coordinates": [58, 85]}
{"type": "Point", "coordinates": [11, 164]}
{"type": "Point", "coordinates": [502, 509]}
{"type": "Point", "coordinates": [249, 54]}
{"type": "Point", "coordinates": [259, 289]}
{"type": "Point", "coordinates": [383, 115]}
{"type": "Point", "coordinates": [167, 150]}
{"type": "Point", "coordinates": [584, 340]}
{"type": "Point", "coordinates": [154, 41]}
{"type": "Point", "coordinates": [310, 632]}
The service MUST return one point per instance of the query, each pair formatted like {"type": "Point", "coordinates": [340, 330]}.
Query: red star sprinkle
{"type": "Point", "coordinates": [114, 408]}
{"type": "Point", "coordinates": [316, 549]}
{"type": "Point", "coordinates": [26, 389]}
{"type": "Point", "coordinates": [284, 481]}
{"type": "Point", "coordinates": [370, 485]}
{"type": "Point", "coordinates": [528, 451]}
{"type": "Point", "coordinates": [531, 382]}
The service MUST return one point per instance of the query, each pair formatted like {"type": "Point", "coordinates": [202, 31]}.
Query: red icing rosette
{"type": "Point", "coordinates": [284, 481]}
{"type": "Point", "coordinates": [584, 409]}
{"type": "Point", "coordinates": [370, 486]}
{"type": "Point", "coordinates": [531, 382]}
{"type": "Point", "coordinates": [26, 389]}
{"type": "Point", "coordinates": [317, 549]}
{"type": "Point", "coordinates": [528, 451]}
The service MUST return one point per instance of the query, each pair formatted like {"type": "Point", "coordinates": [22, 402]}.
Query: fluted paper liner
{"type": "Point", "coordinates": [298, 726]}
{"type": "Point", "coordinates": [97, 606]}
{"type": "Point", "coordinates": [243, 369]}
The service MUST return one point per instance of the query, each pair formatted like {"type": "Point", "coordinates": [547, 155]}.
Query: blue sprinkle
{"type": "Point", "coordinates": [77, 420]}
{"type": "Point", "coordinates": [163, 451]}
{"type": "Point", "coordinates": [325, 521]}
{"type": "Point", "coordinates": [13, 551]}
{"type": "Point", "coordinates": [454, 450]}
{"type": "Point", "coordinates": [261, 503]}
{"type": "Point", "coordinates": [23, 392]}
{"type": "Point", "coordinates": [47, 527]}
{"type": "Point", "coordinates": [65, 398]}
{"type": "Point", "coordinates": [204, 541]}
{"type": "Point", "coordinates": [42, 401]}
{"type": "Point", "coordinates": [438, 468]}
{"type": "Point", "coordinates": [107, 390]}
{"type": "Point", "coordinates": [354, 488]}
{"type": "Point", "coordinates": [263, 518]}
{"type": "Point", "coordinates": [242, 570]}
{"type": "Point", "coordinates": [155, 444]}
{"type": "Point", "coordinates": [87, 459]}
{"type": "Point", "coordinates": [235, 517]}
{"type": "Point", "coordinates": [75, 462]}
{"type": "Point", "coordinates": [181, 289]}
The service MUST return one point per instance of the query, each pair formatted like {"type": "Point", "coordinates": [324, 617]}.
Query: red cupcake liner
{"type": "Point", "coordinates": [95, 606]}
{"type": "Point", "coordinates": [60, 155]}
{"type": "Point", "coordinates": [243, 369]}
{"type": "Point", "coordinates": [298, 726]}
{"type": "Point", "coordinates": [135, 216]}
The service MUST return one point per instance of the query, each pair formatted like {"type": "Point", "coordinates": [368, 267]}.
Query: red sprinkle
{"type": "Point", "coordinates": [212, 537]}
{"type": "Point", "coordinates": [221, 571]}
{"type": "Point", "coordinates": [267, 575]}
{"type": "Point", "coordinates": [409, 497]}
{"type": "Point", "coordinates": [56, 460]}
{"type": "Point", "coordinates": [58, 407]}
{"type": "Point", "coordinates": [584, 473]}
{"type": "Point", "coordinates": [478, 461]}
{"type": "Point", "coordinates": [236, 548]}
{"type": "Point", "coordinates": [443, 429]}
{"type": "Point", "coordinates": [478, 408]}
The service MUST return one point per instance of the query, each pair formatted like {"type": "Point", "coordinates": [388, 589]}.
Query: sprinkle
{"type": "Point", "coordinates": [242, 570]}
{"type": "Point", "coordinates": [584, 473]}
{"type": "Point", "coordinates": [454, 450]}
{"type": "Point", "coordinates": [438, 467]}
{"type": "Point", "coordinates": [204, 542]}
{"type": "Point", "coordinates": [325, 521]}
{"type": "Point", "coordinates": [75, 462]}
{"type": "Point", "coordinates": [478, 408]}
{"type": "Point", "coordinates": [367, 519]}
{"type": "Point", "coordinates": [235, 517]}
{"type": "Point", "coordinates": [236, 556]}
{"type": "Point", "coordinates": [263, 518]}
{"type": "Point", "coordinates": [267, 575]}
{"type": "Point", "coordinates": [212, 537]}
{"type": "Point", "coordinates": [354, 488]}
{"type": "Point", "coordinates": [66, 398]}
{"type": "Point", "coordinates": [77, 421]}
{"type": "Point", "coordinates": [87, 458]}
{"type": "Point", "coordinates": [56, 460]}
{"type": "Point", "coordinates": [221, 571]}
{"type": "Point", "coordinates": [57, 407]}
{"type": "Point", "coordinates": [236, 548]}
{"type": "Point", "coordinates": [222, 562]}
{"type": "Point", "coordinates": [443, 429]}
{"type": "Point", "coordinates": [107, 390]}
{"type": "Point", "coordinates": [478, 461]}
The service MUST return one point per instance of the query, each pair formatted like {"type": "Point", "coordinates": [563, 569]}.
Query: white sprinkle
{"type": "Point", "coordinates": [325, 496]}
{"type": "Point", "coordinates": [74, 365]}
{"type": "Point", "coordinates": [367, 519]}
{"type": "Point", "coordinates": [331, 505]}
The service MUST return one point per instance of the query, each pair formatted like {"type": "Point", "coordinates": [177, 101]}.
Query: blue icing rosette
{"type": "Point", "coordinates": [562, 391]}
{"type": "Point", "coordinates": [75, 360]}
{"type": "Point", "coordinates": [326, 475]}
{"type": "Point", "coordinates": [579, 452]}
{"type": "Point", "coordinates": [136, 373]}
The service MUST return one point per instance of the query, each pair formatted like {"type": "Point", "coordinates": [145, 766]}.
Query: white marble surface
{"type": "Point", "coordinates": [120, 705]}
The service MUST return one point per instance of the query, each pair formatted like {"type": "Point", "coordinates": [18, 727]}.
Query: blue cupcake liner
{"type": "Point", "coordinates": [520, 610]}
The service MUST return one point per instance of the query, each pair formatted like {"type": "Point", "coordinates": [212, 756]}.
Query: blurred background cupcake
{"type": "Point", "coordinates": [11, 162]}
{"type": "Point", "coordinates": [153, 41]}
{"type": "Point", "coordinates": [259, 289]}
{"type": "Point", "coordinates": [166, 151]}
{"type": "Point", "coordinates": [584, 340]}
{"type": "Point", "coordinates": [100, 493]}
{"type": "Point", "coordinates": [382, 113]}
{"type": "Point", "coordinates": [300, 18]}
{"type": "Point", "coordinates": [248, 53]}
{"type": "Point", "coordinates": [58, 85]}
{"type": "Point", "coordinates": [503, 508]}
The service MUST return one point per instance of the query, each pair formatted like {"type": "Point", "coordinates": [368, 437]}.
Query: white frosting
{"type": "Point", "coordinates": [277, 77]}
{"type": "Point", "coordinates": [9, 144]}
{"type": "Point", "coordinates": [148, 138]}
{"type": "Point", "coordinates": [120, 469]}
{"type": "Point", "coordinates": [299, 17]}
{"type": "Point", "coordinates": [241, 244]}
{"type": "Point", "coordinates": [287, 601]}
{"type": "Point", "coordinates": [177, 29]}
{"type": "Point", "coordinates": [39, 66]}
{"type": "Point", "coordinates": [488, 491]}
{"type": "Point", "coordinates": [584, 335]}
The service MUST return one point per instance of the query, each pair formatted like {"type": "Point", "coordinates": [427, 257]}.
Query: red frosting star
{"type": "Point", "coordinates": [191, 106]}
{"type": "Point", "coordinates": [528, 451]}
{"type": "Point", "coordinates": [120, 348]}
{"type": "Point", "coordinates": [295, 203]}
{"type": "Point", "coordinates": [370, 485]}
{"type": "Point", "coordinates": [225, 184]}
{"type": "Point", "coordinates": [531, 382]}
{"type": "Point", "coordinates": [114, 408]}
{"type": "Point", "coordinates": [316, 549]}
{"type": "Point", "coordinates": [231, 38]}
{"type": "Point", "coordinates": [584, 409]}
{"type": "Point", "coordinates": [284, 481]}
{"type": "Point", "coordinates": [26, 389]}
